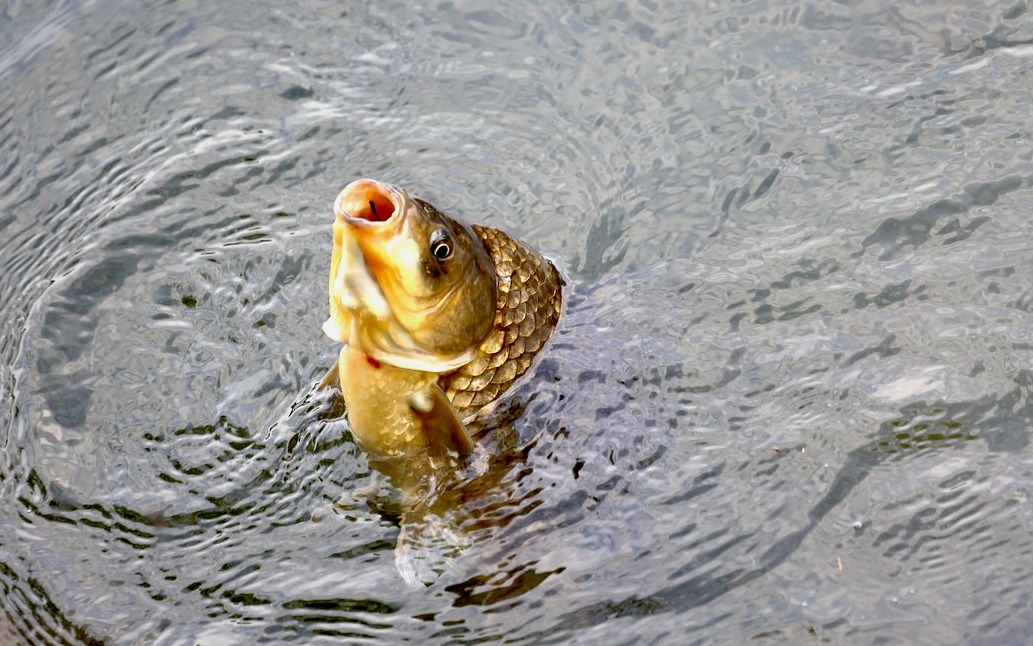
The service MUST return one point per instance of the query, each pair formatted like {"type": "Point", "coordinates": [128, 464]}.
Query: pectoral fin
{"type": "Point", "coordinates": [332, 378]}
{"type": "Point", "coordinates": [440, 422]}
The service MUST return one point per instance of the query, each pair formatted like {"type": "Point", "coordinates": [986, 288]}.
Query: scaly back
{"type": "Point", "coordinates": [527, 308]}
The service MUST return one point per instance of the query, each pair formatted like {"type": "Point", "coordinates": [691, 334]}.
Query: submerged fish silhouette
{"type": "Point", "coordinates": [439, 319]}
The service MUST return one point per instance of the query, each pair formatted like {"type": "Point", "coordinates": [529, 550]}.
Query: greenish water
{"type": "Point", "coordinates": [789, 400]}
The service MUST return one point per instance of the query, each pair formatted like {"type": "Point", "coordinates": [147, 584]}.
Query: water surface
{"type": "Point", "coordinates": [790, 398]}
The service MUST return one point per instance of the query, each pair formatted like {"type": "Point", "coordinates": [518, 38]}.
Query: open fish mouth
{"type": "Point", "coordinates": [377, 208]}
{"type": "Point", "coordinates": [367, 202]}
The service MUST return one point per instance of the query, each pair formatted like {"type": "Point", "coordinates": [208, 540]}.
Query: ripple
{"type": "Point", "coordinates": [790, 396]}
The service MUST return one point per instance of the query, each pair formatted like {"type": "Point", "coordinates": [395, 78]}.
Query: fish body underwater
{"type": "Point", "coordinates": [438, 319]}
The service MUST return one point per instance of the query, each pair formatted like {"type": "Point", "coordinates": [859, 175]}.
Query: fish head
{"type": "Point", "coordinates": [409, 285]}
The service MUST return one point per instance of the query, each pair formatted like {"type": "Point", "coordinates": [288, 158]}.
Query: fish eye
{"type": "Point", "coordinates": [441, 244]}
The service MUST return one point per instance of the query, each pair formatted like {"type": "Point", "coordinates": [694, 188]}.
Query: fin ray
{"type": "Point", "coordinates": [332, 379]}
{"type": "Point", "coordinates": [441, 423]}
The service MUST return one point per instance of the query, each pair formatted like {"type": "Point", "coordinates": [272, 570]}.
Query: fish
{"type": "Point", "coordinates": [438, 320]}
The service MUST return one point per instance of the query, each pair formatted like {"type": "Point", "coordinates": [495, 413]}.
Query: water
{"type": "Point", "coordinates": [790, 399]}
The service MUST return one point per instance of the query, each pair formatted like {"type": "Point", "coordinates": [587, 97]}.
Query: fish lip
{"type": "Point", "coordinates": [367, 203]}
